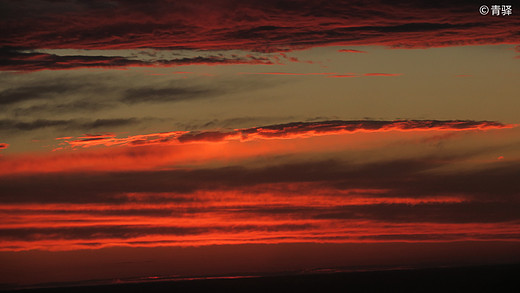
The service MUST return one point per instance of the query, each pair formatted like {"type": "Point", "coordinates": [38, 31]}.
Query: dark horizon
{"type": "Point", "coordinates": [48, 269]}
{"type": "Point", "coordinates": [480, 278]}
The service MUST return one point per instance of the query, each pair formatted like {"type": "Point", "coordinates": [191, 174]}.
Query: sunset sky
{"type": "Point", "coordinates": [180, 138]}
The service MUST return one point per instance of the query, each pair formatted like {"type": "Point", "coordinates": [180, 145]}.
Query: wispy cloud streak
{"type": "Point", "coordinates": [23, 60]}
{"type": "Point", "coordinates": [291, 130]}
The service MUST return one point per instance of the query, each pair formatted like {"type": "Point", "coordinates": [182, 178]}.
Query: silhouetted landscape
{"type": "Point", "coordinates": [496, 278]}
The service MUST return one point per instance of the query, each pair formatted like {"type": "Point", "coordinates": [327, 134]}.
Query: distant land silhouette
{"type": "Point", "coordinates": [490, 278]}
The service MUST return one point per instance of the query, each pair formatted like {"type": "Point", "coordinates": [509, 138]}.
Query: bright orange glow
{"type": "Point", "coordinates": [230, 217]}
{"type": "Point", "coordinates": [170, 150]}
{"type": "Point", "coordinates": [178, 189]}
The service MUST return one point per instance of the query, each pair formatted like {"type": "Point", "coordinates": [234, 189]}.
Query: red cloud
{"type": "Point", "coordinates": [245, 25]}
{"type": "Point", "coordinates": [263, 205]}
{"type": "Point", "coordinates": [351, 51]}
{"type": "Point", "coordinates": [343, 75]}
{"type": "Point", "coordinates": [229, 25]}
{"type": "Point", "coordinates": [382, 74]}
{"type": "Point", "coordinates": [235, 187]}
{"type": "Point", "coordinates": [287, 73]}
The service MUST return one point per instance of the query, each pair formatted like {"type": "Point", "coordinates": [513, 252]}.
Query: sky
{"type": "Point", "coordinates": [182, 138]}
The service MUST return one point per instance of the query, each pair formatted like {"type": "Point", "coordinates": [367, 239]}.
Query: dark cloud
{"type": "Point", "coordinates": [230, 123]}
{"type": "Point", "coordinates": [352, 125]}
{"type": "Point", "coordinates": [404, 178]}
{"type": "Point", "coordinates": [22, 60]}
{"type": "Point", "coordinates": [169, 94]}
{"type": "Point", "coordinates": [10, 125]}
{"type": "Point", "coordinates": [59, 108]}
{"type": "Point", "coordinates": [177, 91]}
{"type": "Point", "coordinates": [204, 136]}
{"type": "Point", "coordinates": [102, 123]}
{"type": "Point", "coordinates": [80, 201]}
{"type": "Point", "coordinates": [53, 89]}
{"type": "Point", "coordinates": [248, 25]}
{"type": "Point", "coordinates": [12, 59]}
{"type": "Point", "coordinates": [133, 231]}
{"type": "Point", "coordinates": [324, 127]}
{"type": "Point", "coordinates": [493, 183]}
{"type": "Point", "coordinates": [239, 25]}
{"type": "Point", "coordinates": [465, 212]}
{"type": "Point", "coordinates": [15, 125]}
{"type": "Point", "coordinates": [65, 95]}
{"type": "Point", "coordinates": [441, 237]}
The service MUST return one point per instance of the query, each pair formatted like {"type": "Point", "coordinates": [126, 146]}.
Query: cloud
{"type": "Point", "coordinates": [168, 94]}
{"type": "Point", "coordinates": [22, 60]}
{"type": "Point", "coordinates": [63, 94]}
{"type": "Point", "coordinates": [402, 178]}
{"type": "Point", "coordinates": [351, 51]}
{"type": "Point", "coordinates": [325, 74]}
{"type": "Point", "coordinates": [166, 189]}
{"type": "Point", "coordinates": [48, 90]}
{"type": "Point", "coordinates": [269, 26]}
{"type": "Point", "coordinates": [231, 122]}
{"type": "Point", "coordinates": [327, 201]}
{"type": "Point", "coordinates": [11, 126]}
{"type": "Point", "coordinates": [128, 232]}
{"type": "Point", "coordinates": [58, 108]}
{"type": "Point", "coordinates": [286, 73]}
{"type": "Point", "coordinates": [197, 148]}
{"type": "Point", "coordinates": [465, 212]}
{"type": "Point", "coordinates": [291, 130]}
{"type": "Point", "coordinates": [382, 74]}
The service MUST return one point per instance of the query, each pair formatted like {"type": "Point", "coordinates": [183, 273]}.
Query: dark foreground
{"type": "Point", "coordinates": [500, 278]}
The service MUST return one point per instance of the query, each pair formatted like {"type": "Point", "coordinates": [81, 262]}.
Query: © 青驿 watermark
{"type": "Point", "coordinates": [496, 10]}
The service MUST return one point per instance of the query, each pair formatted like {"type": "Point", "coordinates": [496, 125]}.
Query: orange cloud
{"type": "Point", "coordinates": [298, 182]}
{"type": "Point", "coordinates": [382, 74]}
{"type": "Point", "coordinates": [286, 131]}
{"type": "Point", "coordinates": [239, 218]}
{"type": "Point", "coordinates": [169, 150]}
{"type": "Point", "coordinates": [248, 215]}
{"type": "Point", "coordinates": [351, 51]}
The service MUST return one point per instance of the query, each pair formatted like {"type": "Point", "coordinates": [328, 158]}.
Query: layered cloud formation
{"type": "Point", "coordinates": [168, 189]}
{"type": "Point", "coordinates": [269, 26]}
{"type": "Point", "coordinates": [265, 26]}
